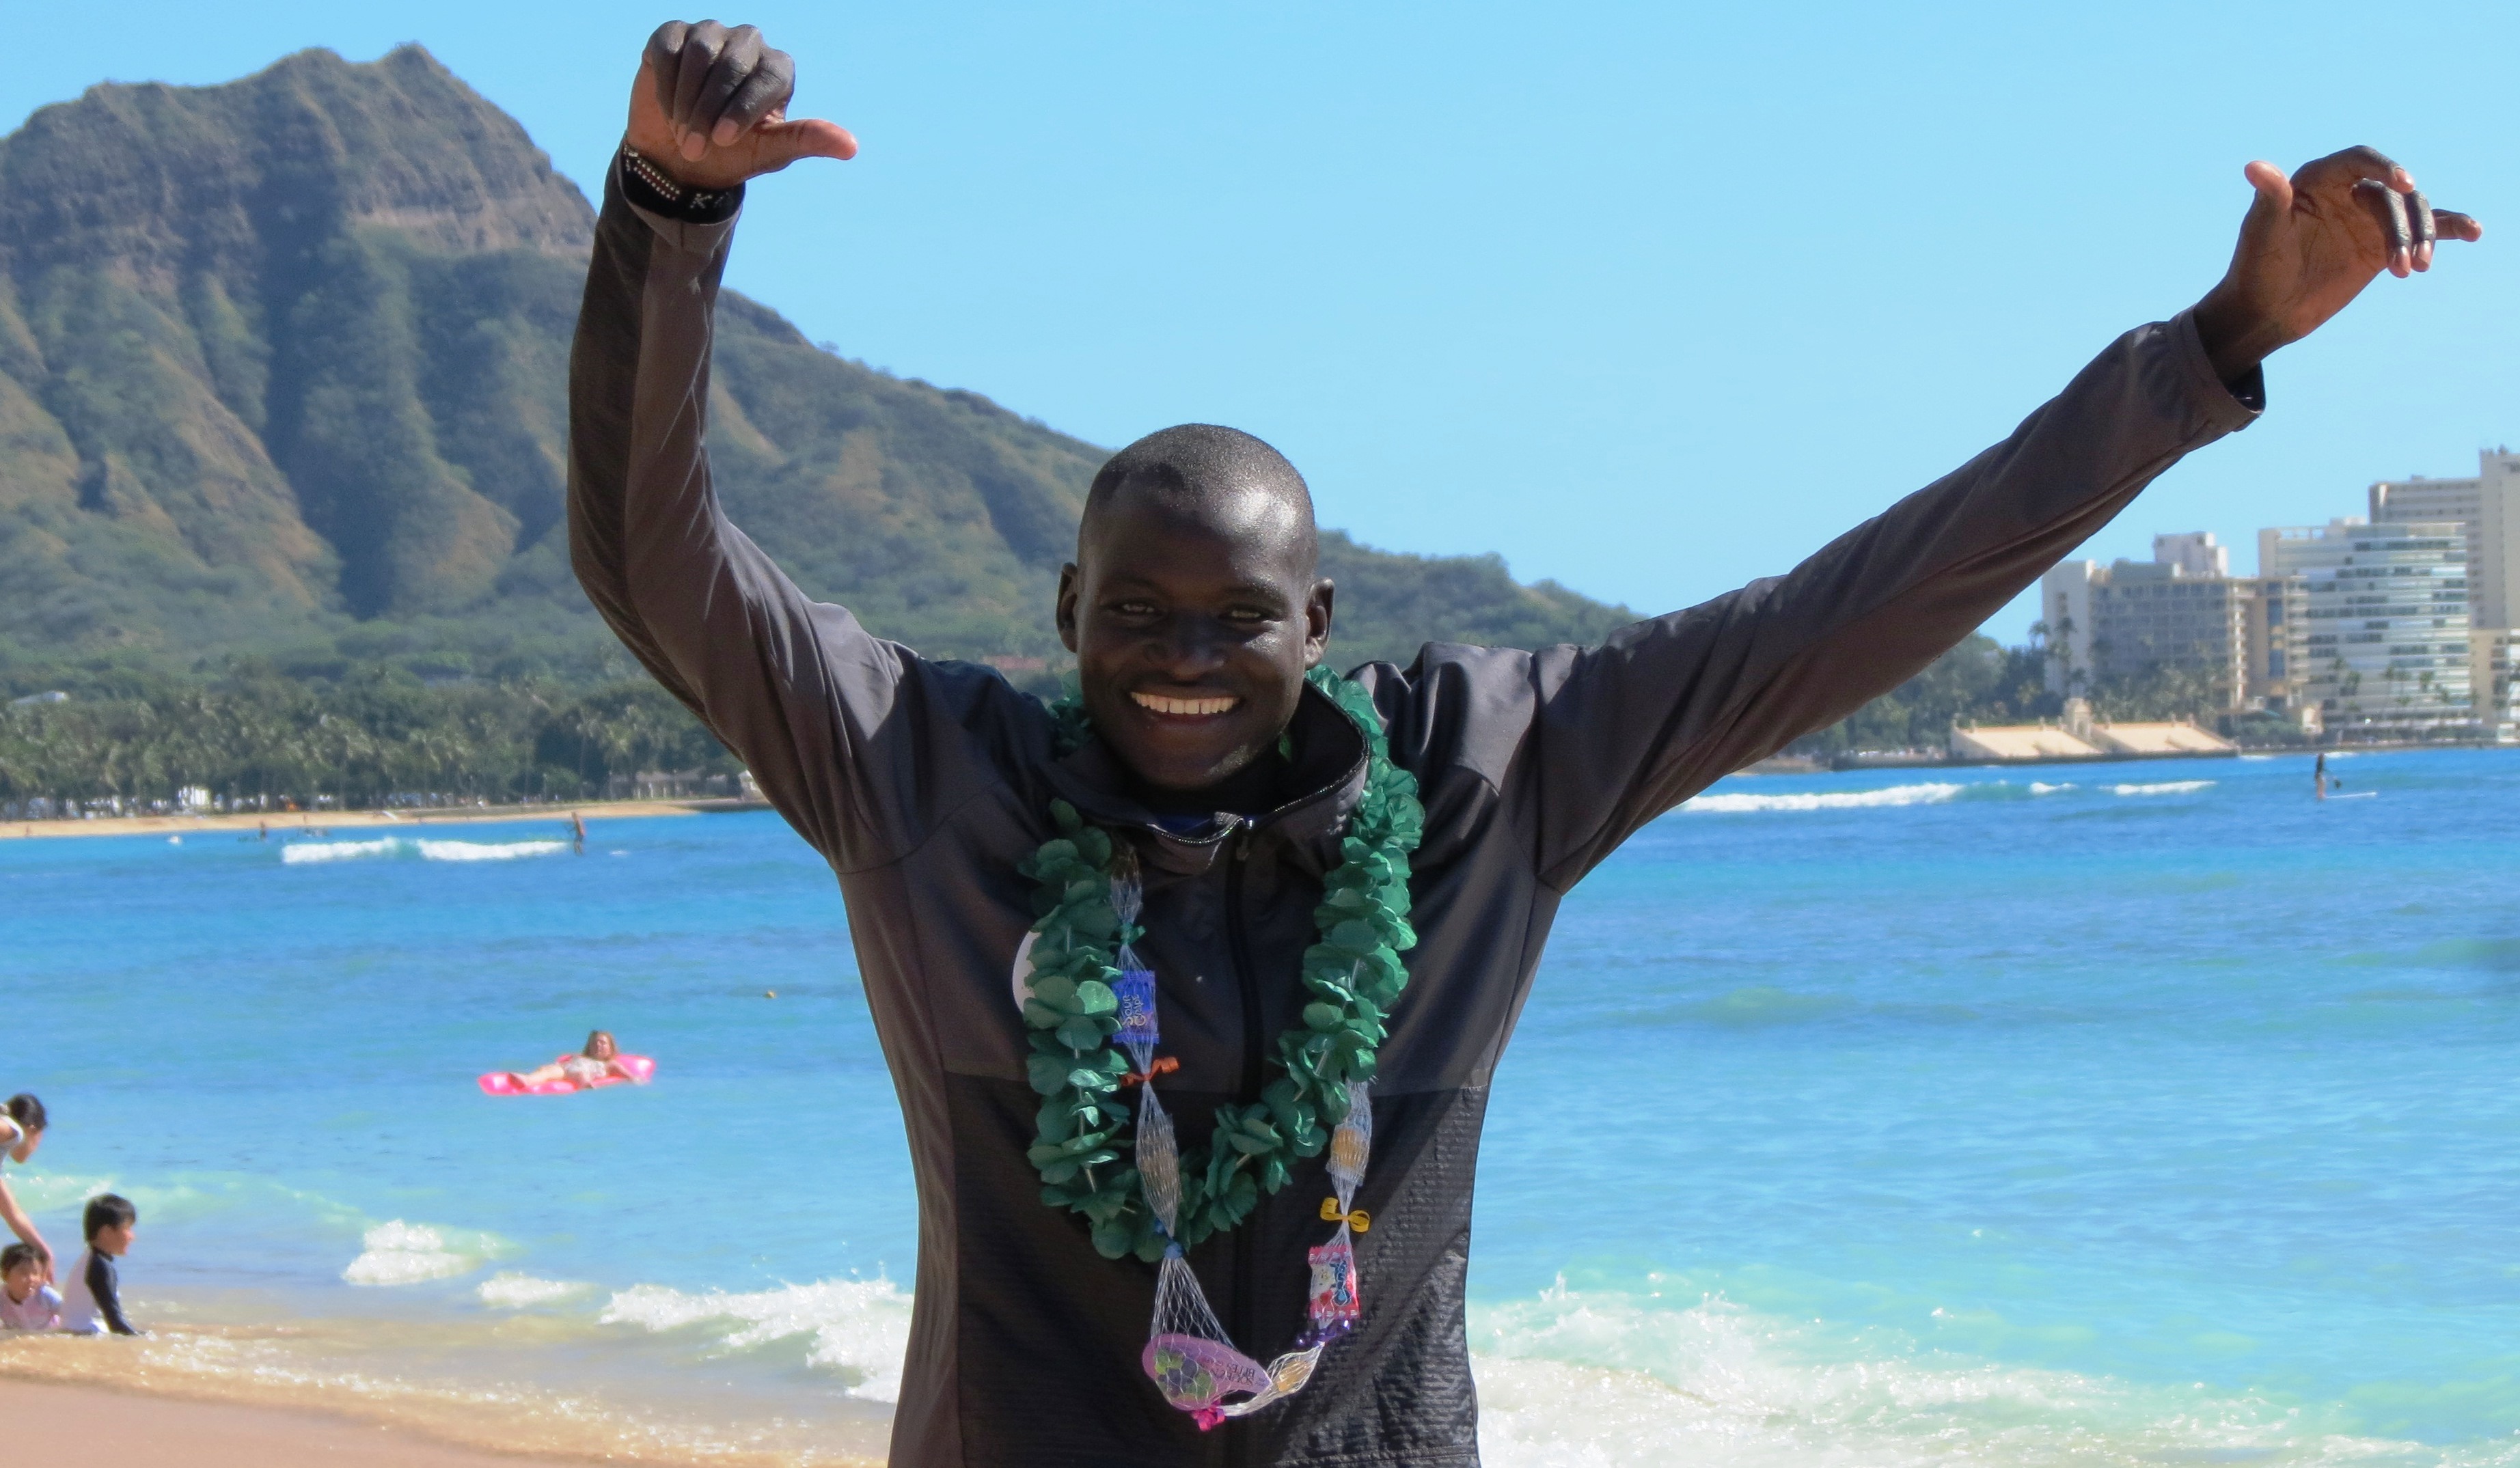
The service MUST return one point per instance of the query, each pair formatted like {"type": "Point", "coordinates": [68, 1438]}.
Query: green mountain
{"type": "Point", "coordinates": [281, 371]}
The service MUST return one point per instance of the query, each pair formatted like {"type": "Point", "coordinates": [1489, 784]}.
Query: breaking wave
{"type": "Point", "coordinates": [400, 1253]}
{"type": "Point", "coordinates": [1607, 1380]}
{"type": "Point", "coordinates": [858, 1328]}
{"type": "Point", "coordinates": [298, 853]}
{"type": "Point", "coordinates": [2165, 787]}
{"type": "Point", "coordinates": [1826, 800]}
{"type": "Point", "coordinates": [511, 1290]}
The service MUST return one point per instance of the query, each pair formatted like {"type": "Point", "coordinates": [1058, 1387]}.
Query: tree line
{"type": "Point", "coordinates": [254, 737]}
{"type": "Point", "coordinates": [1982, 682]}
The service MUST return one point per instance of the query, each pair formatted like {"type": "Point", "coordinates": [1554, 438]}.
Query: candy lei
{"type": "Point", "coordinates": [1091, 1013]}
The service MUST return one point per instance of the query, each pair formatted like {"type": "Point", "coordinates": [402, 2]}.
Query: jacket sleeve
{"type": "Point", "coordinates": [1607, 738]}
{"type": "Point", "coordinates": [797, 689]}
{"type": "Point", "coordinates": [103, 1288]}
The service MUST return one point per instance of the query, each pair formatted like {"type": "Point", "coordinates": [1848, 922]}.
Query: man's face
{"type": "Point", "coordinates": [1192, 621]}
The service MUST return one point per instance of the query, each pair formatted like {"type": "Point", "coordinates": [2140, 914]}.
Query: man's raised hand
{"type": "Point", "coordinates": [2309, 243]}
{"type": "Point", "coordinates": [710, 107]}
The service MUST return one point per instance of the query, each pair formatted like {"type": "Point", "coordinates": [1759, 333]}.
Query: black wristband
{"type": "Point", "coordinates": [654, 190]}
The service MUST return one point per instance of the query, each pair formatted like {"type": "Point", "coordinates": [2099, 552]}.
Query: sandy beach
{"type": "Point", "coordinates": [50, 1423]}
{"type": "Point", "coordinates": [334, 820]}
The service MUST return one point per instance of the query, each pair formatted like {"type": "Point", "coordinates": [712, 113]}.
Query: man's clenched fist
{"type": "Point", "coordinates": [710, 107]}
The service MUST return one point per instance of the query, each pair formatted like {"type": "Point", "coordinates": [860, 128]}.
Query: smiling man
{"type": "Point", "coordinates": [1192, 986]}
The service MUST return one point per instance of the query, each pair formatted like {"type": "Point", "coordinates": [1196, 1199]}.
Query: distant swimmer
{"type": "Point", "coordinates": [2319, 777]}
{"type": "Point", "coordinates": [577, 826]}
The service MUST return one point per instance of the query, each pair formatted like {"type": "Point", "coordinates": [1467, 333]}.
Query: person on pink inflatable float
{"type": "Point", "coordinates": [599, 1061]}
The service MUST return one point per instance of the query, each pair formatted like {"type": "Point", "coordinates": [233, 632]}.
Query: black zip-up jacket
{"type": "Point", "coordinates": [923, 783]}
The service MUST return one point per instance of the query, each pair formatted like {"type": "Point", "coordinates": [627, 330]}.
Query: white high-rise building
{"type": "Point", "coordinates": [2488, 509]}
{"type": "Point", "coordinates": [2381, 642]}
{"type": "Point", "coordinates": [2065, 610]}
{"type": "Point", "coordinates": [2193, 552]}
{"type": "Point", "coordinates": [2181, 612]}
{"type": "Point", "coordinates": [2494, 672]}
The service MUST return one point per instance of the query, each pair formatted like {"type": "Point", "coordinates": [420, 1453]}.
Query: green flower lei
{"type": "Point", "coordinates": [1354, 973]}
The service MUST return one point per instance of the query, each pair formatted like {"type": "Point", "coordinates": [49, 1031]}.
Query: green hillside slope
{"type": "Point", "coordinates": [282, 370]}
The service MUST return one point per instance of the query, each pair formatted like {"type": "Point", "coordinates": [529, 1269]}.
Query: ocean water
{"type": "Point", "coordinates": [2141, 1113]}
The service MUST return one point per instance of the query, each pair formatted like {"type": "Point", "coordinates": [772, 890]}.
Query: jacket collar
{"type": "Point", "coordinates": [1329, 767]}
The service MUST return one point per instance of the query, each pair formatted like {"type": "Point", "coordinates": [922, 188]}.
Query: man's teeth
{"type": "Point", "coordinates": [1158, 703]}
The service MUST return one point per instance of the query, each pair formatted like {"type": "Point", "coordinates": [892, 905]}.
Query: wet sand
{"type": "Point", "coordinates": [60, 1424]}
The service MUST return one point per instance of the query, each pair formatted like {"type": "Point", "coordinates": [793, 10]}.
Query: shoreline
{"type": "Point", "coordinates": [52, 1422]}
{"type": "Point", "coordinates": [283, 822]}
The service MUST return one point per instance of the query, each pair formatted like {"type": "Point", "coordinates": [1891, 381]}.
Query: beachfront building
{"type": "Point", "coordinates": [2380, 643]}
{"type": "Point", "coordinates": [2080, 737]}
{"type": "Point", "coordinates": [2493, 661]}
{"type": "Point", "coordinates": [2065, 624]}
{"type": "Point", "coordinates": [2183, 612]}
{"type": "Point", "coordinates": [2486, 509]}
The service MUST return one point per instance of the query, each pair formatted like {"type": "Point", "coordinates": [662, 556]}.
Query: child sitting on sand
{"type": "Point", "coordinates": [27, 1303]}
{"type": "Point", "coordinates": [594, 1063]}
{"type": "Point", "coordinates": [94, 1305]}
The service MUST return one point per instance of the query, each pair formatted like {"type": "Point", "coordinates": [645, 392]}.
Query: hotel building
{"type": "Point", "coordinates": [2380, 643]}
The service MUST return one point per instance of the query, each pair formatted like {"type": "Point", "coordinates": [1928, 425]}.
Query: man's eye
{"type": "Point", "coordinates": [1249, 614]}
{"type": "Point", "coordinates": [1134, 609]}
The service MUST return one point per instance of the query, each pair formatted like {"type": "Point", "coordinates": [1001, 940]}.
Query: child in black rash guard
{"type": "Point", "coordinates": [92, 1304]}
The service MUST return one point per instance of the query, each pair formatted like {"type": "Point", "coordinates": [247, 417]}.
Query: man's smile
{"type": "Point", "coordinates": [1183, 708]}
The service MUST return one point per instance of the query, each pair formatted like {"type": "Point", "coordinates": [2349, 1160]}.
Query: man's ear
{"type": "Point", "coordinates": [1317, 621]}
{"type": "Point", "coordinates": [1066, 612]}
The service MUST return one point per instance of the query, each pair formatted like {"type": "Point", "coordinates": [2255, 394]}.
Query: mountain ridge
{"type": "Point", "coordinates": [283, 365]}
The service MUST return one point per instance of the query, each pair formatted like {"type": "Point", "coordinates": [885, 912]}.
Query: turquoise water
{"type": "Point", "coordinates": [2127, 1113]}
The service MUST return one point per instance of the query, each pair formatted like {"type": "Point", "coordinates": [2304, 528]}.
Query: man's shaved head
{"type": "Point", "coordinates": [1193, 606]}
{"type": "Point", "coordinates": [1221, 475]}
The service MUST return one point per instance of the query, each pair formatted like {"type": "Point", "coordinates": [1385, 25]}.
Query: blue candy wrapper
{"type": "Point", "coordinates": [1137, 994]}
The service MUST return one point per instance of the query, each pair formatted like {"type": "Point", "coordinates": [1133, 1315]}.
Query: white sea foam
{"type": "Point", "coordinates": [515, 1291]}
{"type": "Point", "coordinates": [1826, 800]}
{"type": "Point", "coordinates": [2039, 789]}
{"type": "Point", "coordinates": [859, 1328]}
{"type": "Point", "coordinates": [400, 1253]}
{"type": "Point", "coordinates": [1574, 1380]}
{"type": "Point", "coordinates": [298, 853]}
{"type": "Point", "coordinates": [2165, 787]}
{"type": "Point", "coordinates": [485, 851]}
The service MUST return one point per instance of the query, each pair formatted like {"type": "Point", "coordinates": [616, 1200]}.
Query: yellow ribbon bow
{"type": "Point", "coordinates": [1355, 1217]}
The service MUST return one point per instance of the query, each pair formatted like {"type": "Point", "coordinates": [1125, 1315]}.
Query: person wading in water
{"type": "Point", "coordinates": [1302, 910]}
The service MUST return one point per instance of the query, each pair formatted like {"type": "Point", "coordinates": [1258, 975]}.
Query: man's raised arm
{"type": "Point", "coordinates": [1621, 732]}
{"type": "Point", "coordinates": [792, 686]}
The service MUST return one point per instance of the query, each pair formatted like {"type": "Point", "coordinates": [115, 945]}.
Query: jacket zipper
{"type": "Point", "coordinates": [1246, 976]}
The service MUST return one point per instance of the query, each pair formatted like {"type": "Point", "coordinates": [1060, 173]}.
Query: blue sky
{"type": "Point", "coordinates": [1651, 298]}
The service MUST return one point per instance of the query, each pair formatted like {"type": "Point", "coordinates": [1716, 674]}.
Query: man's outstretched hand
{"type": "Point", "coordinates": [710, 107]}
{"type": "Point", "coordinates": [2309, 245]}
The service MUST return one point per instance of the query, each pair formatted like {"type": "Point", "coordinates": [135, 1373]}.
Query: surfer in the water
{"type": "Point", "coordinates": [1339, 889]}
